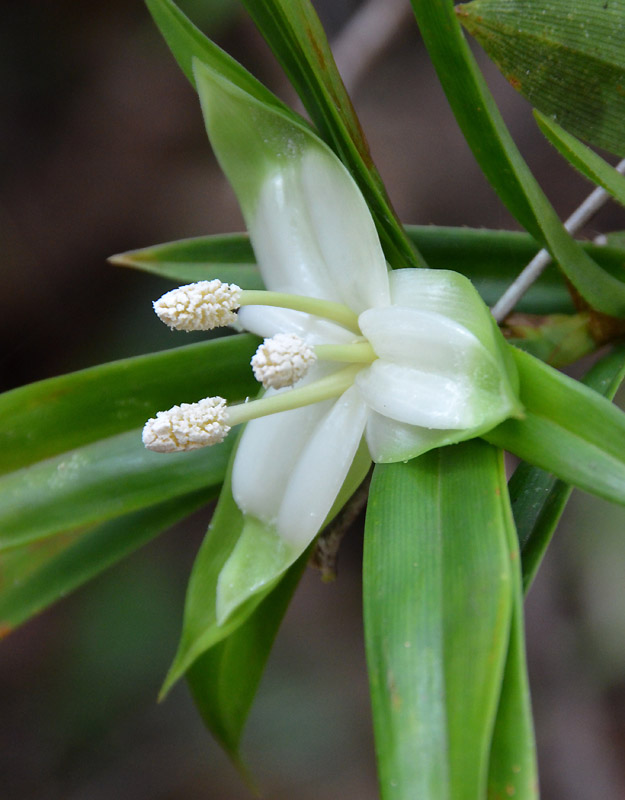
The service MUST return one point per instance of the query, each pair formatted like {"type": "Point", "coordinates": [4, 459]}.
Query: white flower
{"type": "Point", "coordinates": [410, 359]}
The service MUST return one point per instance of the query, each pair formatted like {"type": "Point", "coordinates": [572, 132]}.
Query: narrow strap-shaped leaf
{"type": "Point", "coordinates": [28, 590]}
{"type": "Point", "coordinates": [59, 414]}
{"type": "Point", "coordinates": [490, 258]}
{"type": "Point", "coordinates": [538, 497]}
{"type": "Point", "coordinates": [187, 42]}
{"type": "Point", "coordinates": [98, 482]}
{"type": "Point", "coordinates": [294, 33]}
{"type": "Point", "coordinates": [437, 604]}
{"type": "Point", "coordinates": [568, 430]}
{"type": "Point", "coordinates": [512, 767]}
{"type": "Point", "coordinates": [498, 156]}
{"type": "Point", "coordinates": [224, 680]}
{"type": "Point", "coordinates": [229, 257]}
{"type": "Point", "coordinates": [595, 168]}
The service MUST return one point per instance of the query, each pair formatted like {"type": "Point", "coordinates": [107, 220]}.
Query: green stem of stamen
{"type": "Point", "coordinates": [354, 353]}
{"type": "Point", "coordinates": [336, 312]}
{"type": "Point", "coordinates": [323, 389]}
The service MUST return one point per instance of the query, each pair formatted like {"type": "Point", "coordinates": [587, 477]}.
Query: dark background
{"type": "Point", "coordinates": [102, 149]}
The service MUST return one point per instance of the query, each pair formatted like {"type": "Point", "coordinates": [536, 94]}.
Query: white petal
{"type": "Point", "coordinates": [422, 339]}
{"type": "Point", "coordinates": [321, 469]}
{"type": "Point", "coordinates": [267, 321]}
{"type": "Point", "coordinates": [266, 456]}
{"type": "Point", "coordinates": [418, 398]}
{"type": "Point", "coordinates": [313, 234]}
{"type": "Point", "coordinates": [389, 440]}
{"type": "Point", "coordinates": [444, 292]}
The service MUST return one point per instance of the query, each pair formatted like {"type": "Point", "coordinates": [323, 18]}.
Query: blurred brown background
{"type": "Point", "coordinates": [103, 150]}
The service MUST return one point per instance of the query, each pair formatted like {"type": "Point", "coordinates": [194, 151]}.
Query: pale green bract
{"type": "Point", "coordinates": [440, 372]}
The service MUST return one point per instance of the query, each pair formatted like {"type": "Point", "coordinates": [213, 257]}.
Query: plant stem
{"type": "Point", "coordinates": [533, 270]}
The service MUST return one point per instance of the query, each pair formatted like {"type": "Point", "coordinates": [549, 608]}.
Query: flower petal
{"type": "Point", "coordinates": [425, 340]}
{"type": "Point", "coordinates": [313, 234]}
{"type": "Point", "coordinates": [420, 398]}
{"type": "Point", "coordinates": [321, 469]}
{"type": "Point", "coordinates": [266, 457]}
{"type": "Point", "coordinates": [267, 321]}
{"type": "Point", "coordinates": [389, 440]}
{"type": "Point", "coordinates": [310, 227]}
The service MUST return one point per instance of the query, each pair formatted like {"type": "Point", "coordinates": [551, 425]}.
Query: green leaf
{"type": "Point", "coordinates": [59, 414]}
{"type": "Point", "coordinates": [186, 42]}
{"type": "Point", "coordinates": [568, 429]}
{"type": "Point", "coordinates": [538, 498]}
{"type": "Point", "coordinates": [595, 168]}
{"type": "Point", "coordinates": [98, 482]}
{"type": "Point", "coordinates": [294, 33]}
{"type": "Point", "coordinates": [240, 562]}
{"type": "Point", "coordinates": [437, 604]}
{"type": "Point", "coordinates": [498, 156]}
{"type": "Point", "coordinates": [565, 56]}
{"type": "Point", "coordinates": [512, 768]}
{"type": "Point", "coordinates": [228, 257]}
{"type": "Point", "coordinates": [224, 680]}
{"type": "Point", "coordinates": [39, 579]}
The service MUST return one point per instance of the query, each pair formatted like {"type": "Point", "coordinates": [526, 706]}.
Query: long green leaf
{"type": "Point", "coordinates": [512, 770]}
{"type": "Point", "coordinates": [34, 587]}
{"type": "Point", "coordinates": [568, 430]}
{"type": "Point", "coordinates": [294, 33]}
{"type": "Point", "coordinates": [437, 604]}
{"type": "Point", "coordinates": [498, 156]}
{"type": "Point", "coordinates": [565, 56]}
{"type": "Point", "coordinates": [224, 680]}
{"type": "Point", "coordinates": [59, 414]}
{"type": "Point", "coordinates": [98, 482]}
{"type": "Point", "coordinates": [538, 497]}
{"type": "Point", "coordinates": [595, 168]}
{"type": "Point", "coordinates": [228, 257]}
{"type": "Point", "coordinates": [490, 258]}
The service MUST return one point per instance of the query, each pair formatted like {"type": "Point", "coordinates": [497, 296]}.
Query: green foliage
{"type": "Point", "coordinates": [439, 588]}
{"type": "Point", "coordinates": [582, 158]}
{"type": "Point", "coordinates": [498, 156]}
{"type": "Point", "coordinates": [538, 498]}
{"type": "Point", "coordinates": [565, 56]}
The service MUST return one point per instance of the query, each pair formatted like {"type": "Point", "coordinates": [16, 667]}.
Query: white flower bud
{"type": "Point", "coordinates": [187, 426]}
{"type": "Point", "coordinates": [199, 306]}
{"type": "Point", "coordinates": [282, 360]}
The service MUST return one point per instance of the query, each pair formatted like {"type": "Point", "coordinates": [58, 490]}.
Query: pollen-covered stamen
{"type": "Point", "coordinates": [187, 426]}
{"type": "Point", "coordinates": [199, 306]}
{"type": "Point", "coordinates": [282, 360]}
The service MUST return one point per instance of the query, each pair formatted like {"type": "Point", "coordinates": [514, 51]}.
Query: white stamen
{"type": "Point", "coordinates": [282, 360]}
{"type": "Point", "coordinates": [187, 426]}
{"type": "Point", "coordinates": [199, 306]}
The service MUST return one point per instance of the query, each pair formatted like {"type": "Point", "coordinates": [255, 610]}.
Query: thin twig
{"type": "Point", "coordinates": [366, 36]}
{"type": "Point", "coordinates": [532, 271]}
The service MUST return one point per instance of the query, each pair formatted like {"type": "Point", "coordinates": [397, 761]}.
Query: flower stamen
{"type": "Point", "coordinates": [199, 306]}
{"type": "Point", "coordinates": [193, 425]}
{"type": "Point", "coordinates": [282, 360]}
{"type": "Point", "coordinates": [205, 305]}
{"type": "Point", "coordinates": [188, 426]}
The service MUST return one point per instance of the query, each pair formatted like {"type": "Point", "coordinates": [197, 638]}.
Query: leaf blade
{"type": "Point", "coordinates": [436, 658]}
